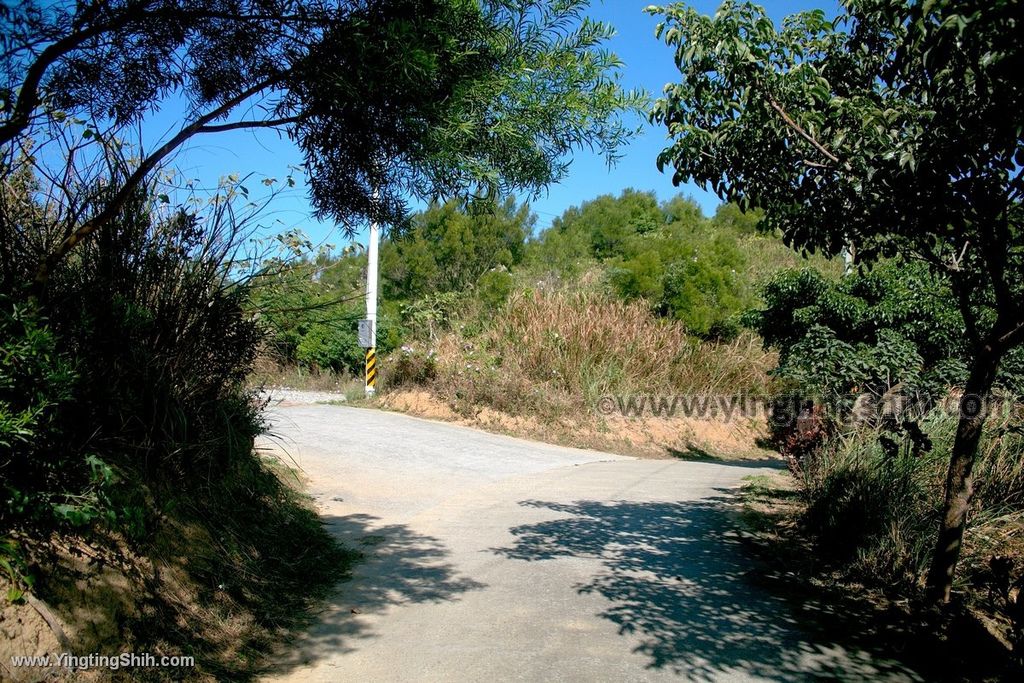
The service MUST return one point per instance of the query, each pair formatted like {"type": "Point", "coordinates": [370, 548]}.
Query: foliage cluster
{"type": "Point", "coordinates": [308, 308]}
{"type": "Point", "coordinates": [866, 333]}
{"type": "Point", "coordinates": [124, 418]}
{"type": "Point", "coordinates": [449, 247]}
{"type": "Point", "coordinates": [882, 132]}
{"type": "Point", "coordinates": [892, 335]}
{"type": "Point", "coordinates": [685, 266]}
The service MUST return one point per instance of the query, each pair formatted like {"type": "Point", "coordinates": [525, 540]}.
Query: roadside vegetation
{"type": "Point", "coordinates": [133, 496]}
{"type": "Point", "coordinates": [484, 318]}
{"type": "Point", "coordinates": [135, 513]}
{"type": "Point", "coordinates": [882, 133]}
{"type": "Point", "coordinates": [140, 318]}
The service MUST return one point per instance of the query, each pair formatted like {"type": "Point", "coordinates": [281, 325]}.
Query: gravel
{"type": "Point", "coordinates": [279, 395]}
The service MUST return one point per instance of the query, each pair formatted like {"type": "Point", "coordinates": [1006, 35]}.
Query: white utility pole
{"type": "Point", "coordinates": [848, 256]}
{"type": "Point", "coordinates": [371, 308]}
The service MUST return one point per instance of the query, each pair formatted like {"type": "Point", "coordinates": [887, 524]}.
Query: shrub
{"type": "Point", "coordinates": [42, 482]}
{"type": "Point", "coordinates": [149, 432]}
{"type": "Point", "coordinates": [494, 288]}
{"type": "Point", "coordinates": [896, 324]}
{"type": "Point", "coordinates": [702, 289]}
{"type": "Point", "coordinates": [410, 366]}
{"type": "Point", "coordinates": [429, 315]}
{"type": "Point", "coordinates": [640, 277]}
{"type": "Point", "coordinates": [448, 247]}
{"type": "Point", "coordinates": [874, 500]}
{"type": "Point", "coordinates": [329, 347]}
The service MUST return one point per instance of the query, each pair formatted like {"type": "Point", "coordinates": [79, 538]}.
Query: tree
{"type": "Point", "coordinates": [448, 247]}
{"type": "Point", "coordinates": [610, 221]}
{"type": "Point", "coordinates": [894, 128]}
{"type": "Point", "coordinates": [896, 324]}
{"type": "Point", "coordinates": [385, 98]}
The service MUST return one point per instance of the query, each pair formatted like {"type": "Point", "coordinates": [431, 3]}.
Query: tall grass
{"type": "Point", "coordinates": [595, 346]}
{"type": "Point", "coordinates": [547, 351]}
{"type": "Point", "coordinates": [877, 515]}
{"type": "Point", "coordinates": [142, 447]}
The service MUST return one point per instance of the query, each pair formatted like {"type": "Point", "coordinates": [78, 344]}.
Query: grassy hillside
{"type": "Point", "coordinates": [455, 265]}
{"type": "Point", "coordinates": [482, 314]}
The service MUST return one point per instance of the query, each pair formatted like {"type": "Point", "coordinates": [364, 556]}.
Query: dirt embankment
{"type": "Point", "coordinates": [645, 436]}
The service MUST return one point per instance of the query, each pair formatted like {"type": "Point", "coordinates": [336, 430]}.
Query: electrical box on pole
{"type": "Point", "coordinates": [366, 334]}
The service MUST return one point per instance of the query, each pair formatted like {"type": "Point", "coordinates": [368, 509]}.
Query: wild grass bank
{"type": "Point", "coordinates": [860, 518]}
{"type": "Point", "coordinates": [539, 365]}
{"type": "Point", "coordinates": [134, 512]}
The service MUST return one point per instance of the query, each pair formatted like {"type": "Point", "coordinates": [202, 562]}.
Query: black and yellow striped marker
{"type": "Point", "coordinates": [371, 369]}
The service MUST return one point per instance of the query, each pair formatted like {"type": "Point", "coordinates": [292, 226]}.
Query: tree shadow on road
{"type": "Point", "coordinates": [399, 566]}
{"type": "Point", "coordinates": [677, 581]}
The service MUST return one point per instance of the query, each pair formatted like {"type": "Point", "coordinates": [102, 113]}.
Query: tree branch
{"type": "Point", "coordinates": [119, 199]}
{"type": "Point", "coordinates": [803, 133]}
{"type": "Point", "coordinates": [239, 125]}
{"type": "Point", "coordinates": [966, 312]}
{"type": "Point", "coordinates": [316, 306]}
{"type": "Point", "coordinates": [28, 96]}
{"type": "Point", "coordinates": [1013, 337]}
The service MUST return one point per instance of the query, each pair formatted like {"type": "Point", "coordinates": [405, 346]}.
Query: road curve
{"type": "Point", "coordinates": [490, 558]}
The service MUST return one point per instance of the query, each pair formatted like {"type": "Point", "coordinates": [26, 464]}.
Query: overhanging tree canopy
{"type": "Point", "coordinates": [895, 128]}
{"type": "Point", "coordinates": [386, 98]}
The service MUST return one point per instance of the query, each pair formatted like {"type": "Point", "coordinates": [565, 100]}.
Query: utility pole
{"type": "Point", "coordinates": [370, 342]}
{"type": "Point", "coordinates": [848, 254]}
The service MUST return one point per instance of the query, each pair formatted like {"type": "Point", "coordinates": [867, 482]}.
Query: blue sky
{"type": "Point", "coordinates": [648, 65]}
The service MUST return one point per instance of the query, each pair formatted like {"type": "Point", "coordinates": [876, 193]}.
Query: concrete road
{"type": "Point", "coordinates": [496, 559]}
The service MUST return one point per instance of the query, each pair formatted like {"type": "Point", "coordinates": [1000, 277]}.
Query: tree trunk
{"type": "Point", "coordinates": [959, 480]}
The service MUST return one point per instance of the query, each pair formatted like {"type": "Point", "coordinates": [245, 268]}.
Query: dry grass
{"type": "Point", "coordinates": [858, 526]}
{"type": "Point", "coordinates": [879, 514]}
{"type": "Point", "coordinates": [540, 366]}
{"type": "Point", "coordinates": [270, 374]}
{"type": "Point", "coordinates": [575, 348]}
{"type": "Point", "coordinates": [593, 346]}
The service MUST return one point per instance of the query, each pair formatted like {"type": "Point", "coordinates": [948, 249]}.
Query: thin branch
{"type": "Point", "coordinates": [28, 96]}
{"type": "Point", "coordinates": [799, 129]}
{"type": "Point", "coordinates": [148, 164]}
{"type": "Point", "coordinates": [1013, 337]}
{"type": "Point", "coordinates": [317, 306]}
{"type": "Point", "coordinates": [238, 125]}
{"type": "Point", "coordinates": [966, 312]}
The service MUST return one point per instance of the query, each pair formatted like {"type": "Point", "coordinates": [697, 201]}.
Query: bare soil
{"type": "Point", "coordinates": [646, 436]}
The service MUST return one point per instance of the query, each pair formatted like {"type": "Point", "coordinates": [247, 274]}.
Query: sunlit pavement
{"type": "Point", "coordinates": [491, 559]}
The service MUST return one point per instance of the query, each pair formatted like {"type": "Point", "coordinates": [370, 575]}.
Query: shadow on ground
{"type": "Point", "coordinates": [399, 566]}
{"type": "Point", "coordinates": [678, 582]}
